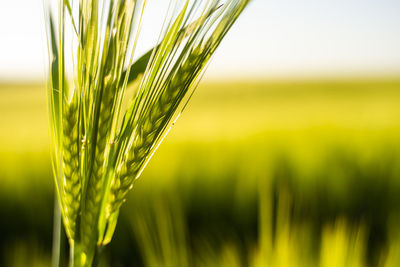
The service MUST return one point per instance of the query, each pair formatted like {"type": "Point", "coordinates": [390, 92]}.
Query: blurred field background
{"type": "Point", "coordinates": [267, 173]}
{"type": "Point", "coordinates": [259, 171]}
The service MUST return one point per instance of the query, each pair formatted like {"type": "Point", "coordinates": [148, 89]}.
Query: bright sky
{"type": "Point", "coordinates": [272, 38]}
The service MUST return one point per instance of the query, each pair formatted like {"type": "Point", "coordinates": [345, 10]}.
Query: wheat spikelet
{"type": "Point", "coordinates": [71, 181]}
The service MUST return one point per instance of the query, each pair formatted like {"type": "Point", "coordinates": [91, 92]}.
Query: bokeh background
{"type": "Point", "coordinates": [287, 155]}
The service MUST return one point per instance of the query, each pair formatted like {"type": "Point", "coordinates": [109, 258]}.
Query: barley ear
{"type": "Point", "coordinates": [164, 94]}
{"type": "Point", "coordinates": [71, 189]}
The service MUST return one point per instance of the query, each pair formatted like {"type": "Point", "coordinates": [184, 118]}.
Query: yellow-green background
{"type": "Point", "coordinates": [254, 173]}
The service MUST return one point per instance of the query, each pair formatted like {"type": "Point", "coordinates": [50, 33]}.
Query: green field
{"type": "Point", "coordinates": [273, 173]}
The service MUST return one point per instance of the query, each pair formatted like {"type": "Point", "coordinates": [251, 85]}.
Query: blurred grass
{"type": "Point", "coordinates": [295, 173]}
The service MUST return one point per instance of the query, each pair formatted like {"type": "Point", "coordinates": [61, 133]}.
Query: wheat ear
{"type": "Point", "coordinates": [114, 58]}
{"type": "Point", "coordinates": [170, 81]}
{"type": "Point", "coordinates": [149, 130]}
{"type": "Point", "coordinates": [71, 181]}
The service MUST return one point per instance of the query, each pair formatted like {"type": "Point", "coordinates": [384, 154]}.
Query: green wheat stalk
{"type": "Point", "coordinates": [100, 147]}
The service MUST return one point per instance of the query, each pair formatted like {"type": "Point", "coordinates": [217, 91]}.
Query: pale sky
{"type": "Point", "coordinates": [271, 39]}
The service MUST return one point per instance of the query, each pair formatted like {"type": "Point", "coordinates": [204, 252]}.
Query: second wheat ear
{"type": "Point", "coordinates": [100, 147]}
